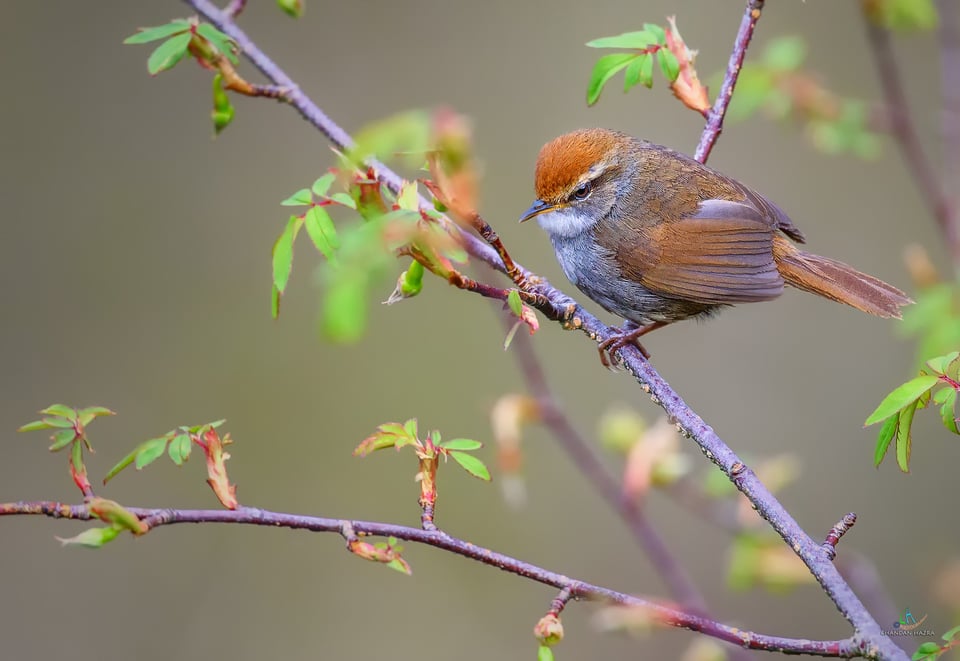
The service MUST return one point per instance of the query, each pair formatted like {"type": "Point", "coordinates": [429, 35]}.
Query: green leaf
{"type": "Point", "coordinates": [514, 302]}
{"type": "Point", "coordinates": [465, 444]}
{"type": "Point", "coordinates": [36, 425]}
{"type": "Point", "coordinates": [322, 232]}
{"type": "Point", "coordinates": [146, 35]}
{"type": "Point", "coordinates": [658, 32]}
{"type": "Point", "coordinates": [301, 198]}
{"type": "Point", "coordinates": [61, 423]}
{"type": "Point", "coordinates": [322, 185]}
{"type": "Point", "coordinates": [86, 416]}
{"type": "Point", "coordinates": [941, 363]}
{"type": "Point", "coordinates": [544, 653]}
{"type": "Point", "coordinates": [168, 54]}
{"type": "Point", "coordinates": [408, 198]}
{"type": "Point", "coordinates": [60, 410]}
{"type": "Point", "coordinates": [224, 44]}
{"type": "Point", "coordinates": [887, 433]}
{"type": "Point", "coordinates": [179, 448]}
{"type": "Point", "coordinates": [508, 340]}
{"type": "Point", "coordinates": [292, 8]}
{"type": "Point", "coordinates": [905, 437]}
{"type": "Point", "coordinates": [951, 634]}
{"type": "Point", "coordinates": [786, 53]}
{"type": "Point", "coordinates": [283, 253]}
{"type": "Point", "coordinates": [344, 199]}
{"type": "Point", "coordinates": [76, 457]}
{"type": "Point", "coordinates": [62, 439]}
{"type": "Point", "coordinates": [605, 68]}
{"type": "Point", "coordinates": [410, 427]}
{"type": "Point", "coordinates": [223, 111]}
{"type": "Point", "coordinates": [345, 308]}
{"type": "Point", "coordinates": [638, 40]}
{"type": "Point", "coordinates": [926, 651]}
{"type": "Point", "coordinates": [471, 464]}
{"type": "Point", "coordinates": [669, 64]}
{"type": "Point", "coordinates": [123, 463]}
{"type": "Point", "coordinates": [274, 302]}
{"type": "Point", "coordinates": [93, 538]}
{"type": "Point", "coordinates": [901, 397]}
{"type": "Point", "coordinates": [150, 451]}
{"type": "Point", "coordinates": [646, 71]}
{"type": "Point", "coordinates": [400, 565]}
{"type": "Point", "coordinates": [948, 411]}
{"type": "Point", "coordinates": [632, 74]}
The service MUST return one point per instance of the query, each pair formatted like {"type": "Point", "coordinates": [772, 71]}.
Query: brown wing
{"type": "Point", "coordinates": [721, 255]}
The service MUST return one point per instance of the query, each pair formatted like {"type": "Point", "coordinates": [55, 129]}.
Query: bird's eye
{"type": "Point", "coordinates": [582, 192]}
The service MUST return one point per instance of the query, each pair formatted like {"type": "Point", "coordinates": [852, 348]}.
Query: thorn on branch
{"type": "Point", "coordinates": [836, 532]}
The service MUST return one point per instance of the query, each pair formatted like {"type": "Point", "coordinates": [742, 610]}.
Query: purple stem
{"type": "Point", "coordinates": [846, 648]}
{"type": "Point", "coordinates": [715, 120]}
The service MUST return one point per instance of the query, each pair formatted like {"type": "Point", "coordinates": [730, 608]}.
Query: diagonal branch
{"type": "Point", "coordinates": [157, 517]}
{"type": "Point", "coordinates": [558, 306]}
{"type": "Point", "coordinates": [715, 119]}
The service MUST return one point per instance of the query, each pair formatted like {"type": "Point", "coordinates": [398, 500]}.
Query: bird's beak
{"type": "Point", "coordinates": [537, 208]}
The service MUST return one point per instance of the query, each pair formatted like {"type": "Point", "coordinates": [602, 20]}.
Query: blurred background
{"type": "Point", "coordinates": [136, 256]}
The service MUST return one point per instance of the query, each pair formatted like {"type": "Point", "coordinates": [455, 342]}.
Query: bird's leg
{"type": "Point", "coordinates": [629, 334]}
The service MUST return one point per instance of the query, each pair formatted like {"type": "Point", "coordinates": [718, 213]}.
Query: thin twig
{"type": "Point", "coordinates": [353, 530]}
{"type": "Point", "coordinates": [836, 532]}
{"type": "Point", "coordinates": [902, 128]}
{"type": "Point", "coordinates": [715, 121]}
{"type": "Point", "coordinates": [558, 305]}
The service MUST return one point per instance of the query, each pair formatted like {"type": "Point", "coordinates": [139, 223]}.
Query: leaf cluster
{"type": "Point", "coordinates": [176, 443]}
{"type": "Point", "coordinates": [646, 45]}
{"type": "Point", "coordinates": [898, 408]}
{"type": "Point", "coordinates": [398, 436]}
{"type": "Point", "coordinates": [178, 37]}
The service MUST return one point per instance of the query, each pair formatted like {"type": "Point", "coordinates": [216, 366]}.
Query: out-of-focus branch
{"type": "Point", "coordinates": [588, 463]}
{"type": "Point", "coordinates": [950, 93]}
{"type": "Point", "coordinates": [571, 588]}
{"type": "Point", "coordinates": [558, 306]}
{"type": "Point", "coordinates": [901, 127]}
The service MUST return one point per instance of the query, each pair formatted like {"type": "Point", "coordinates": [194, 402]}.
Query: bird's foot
{"type": "Point", "coordinates": [629, 334]}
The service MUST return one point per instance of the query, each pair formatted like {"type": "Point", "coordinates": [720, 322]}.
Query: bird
{"type": "Point", "coordinates": [655, 237]}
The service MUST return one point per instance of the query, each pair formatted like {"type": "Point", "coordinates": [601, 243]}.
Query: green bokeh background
{"type": "Point", "coordinates": [136, 265]}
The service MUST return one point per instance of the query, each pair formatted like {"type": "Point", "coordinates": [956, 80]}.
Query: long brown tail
{"type": "Point", "coordinates": [837, 281]}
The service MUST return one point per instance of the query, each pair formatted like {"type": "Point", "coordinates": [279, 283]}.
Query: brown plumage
{"type": "Point", "coordinates": [655, 236]}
